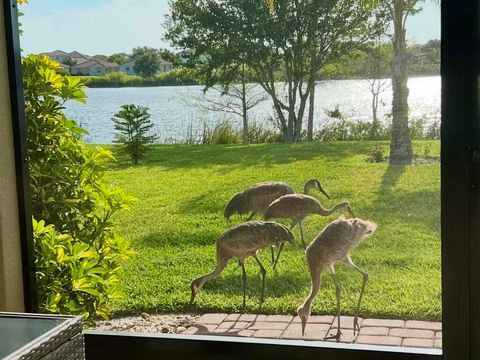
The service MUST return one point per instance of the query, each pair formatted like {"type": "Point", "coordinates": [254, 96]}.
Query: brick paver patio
{"type": "Point", "coordinates": [410, 333]}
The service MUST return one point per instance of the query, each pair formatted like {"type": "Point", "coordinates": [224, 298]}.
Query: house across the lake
{"type": "Point", "coordinates": [58, 55]}
{"type": "Point", "coordinates": [129, 67]}
{"type": "Point", "coordinates": [94, 67]}
{"type": "Point", "coordinates": [80, 64]}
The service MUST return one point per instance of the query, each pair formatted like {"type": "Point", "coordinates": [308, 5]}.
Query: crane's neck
{"type": "Point", "coordinates": [307, 188]}
{"type": "Point", "coordinates": [221, 263]}
{"type": "Point", "coordinates": [320, 210]}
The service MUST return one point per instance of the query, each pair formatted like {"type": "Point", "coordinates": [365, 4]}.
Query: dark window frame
{"type": "Point", "coordinates": [460, 191]}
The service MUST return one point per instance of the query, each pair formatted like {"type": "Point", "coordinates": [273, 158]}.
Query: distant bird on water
{"type": "Point", "coordinates": [256, 198]}
{"type": "Point", "coordinates": [333, 245]}
{"type": "Point", "coordinates": [297, 207]}
{"type": "Point", "coordinates": [242, 241]}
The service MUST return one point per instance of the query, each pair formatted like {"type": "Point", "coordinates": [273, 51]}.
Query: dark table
{"type": "Point", "coordinates": [38, 336]}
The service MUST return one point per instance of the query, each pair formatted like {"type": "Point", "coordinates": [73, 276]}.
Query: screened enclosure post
{"type": "Point", "coordinates": [473, 250]}
{"type": "Point", "coordinates": [459, 235]}
{"type": "Point", "coordinates": [20, 145]}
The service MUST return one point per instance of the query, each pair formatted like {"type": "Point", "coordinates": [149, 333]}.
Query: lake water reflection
{"type": "Point", "coordinates": [176, 119]}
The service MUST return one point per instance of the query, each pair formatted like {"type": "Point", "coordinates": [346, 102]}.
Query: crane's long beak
{"type": "Point", "coordinates": [350, 211]}
{"type": "Point", "coordinates": [304, 324]}
{"type": "Point", "coordinates": [323, 192]}
{"type": "Point", "coordinates": [192, 297]}
{"type": "Point", "coordinates": [291, 241]}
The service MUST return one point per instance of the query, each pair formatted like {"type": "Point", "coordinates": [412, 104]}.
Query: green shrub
{"type": "Point", "coordinates": [78, 253]}
{"type": "Point", "coordinates": [133, 123]}
{"type": "Point", "coordinates": [221, 133]}
{"type": "Point", "coordinates": [225, 133]}
{"type": "Point", "coordinates": [433, 131]}
{"type": "Point", "coordinates": [376, 154]}
{"type": "Point", "coordinates": [339, 128]}
{"type": "Point", "coordinates": [72, 276]}
{"type": "Point", "coordinates": [423, 153]}
{"type": "Point", "coordinates": [259, 134]}
{"type": "Point", "coordinates": [417, 128]}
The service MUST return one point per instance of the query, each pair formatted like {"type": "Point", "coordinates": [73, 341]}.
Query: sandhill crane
{"type": "Point", "coordinates": [297, 207]}
{"type": "Point", "coordinates": [242, 241]}
{"type": "Point", "coordinates": [333, 245]}
{"type": "Point", "coordinates": [256, 198]}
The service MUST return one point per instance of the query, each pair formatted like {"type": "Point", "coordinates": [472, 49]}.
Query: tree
{"type": "Point", "coordinates": [147, 61]}
{"type": "Point", "coordinates": [235, 99]}
{"type": "Point", "coordinates": [133, 123]}
{"type": "Point", "coordinates": [287, 39]}
{"type": "Point", "coordinates": [119, 58]}
{"type": "Point", "coordinates": [69, 61]}
{"type": "Point", "coordinates": [377, 69]}
{"type": "Point", "coordinates": [401, 151]}
{"type": "Point", "coordinates": [100, 57]}
{"type": "Point", "coordinates": [432, 50]}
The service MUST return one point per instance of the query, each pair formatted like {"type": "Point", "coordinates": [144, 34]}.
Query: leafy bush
{"type": "Point", "coordinates": [133, 123]}
{"type": "Point", "coordinates": [339, 128]}
{"type": "Point", "coordinates": [89, 282]}
{"type": "Point", "coordinates": [376, 154]}
{"type": "Point", "coordinates": [78, 254]}
{"type": "Point", "coordinates": [221, 133]}
{"type": "Point", "coordinates": [225, 133]}
{"type": "Point", "coordinates": [433, 131]}
{"type": "Point", "coordinates": [417, 128]}
{"type": "Point", "coordinates": [423, 153]}
{"type": "Point", "coordinates": [259, 134]}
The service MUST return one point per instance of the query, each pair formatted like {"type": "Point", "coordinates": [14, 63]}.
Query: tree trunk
{"type": "Point", "coordinates": [244, 110]}
{"type": "Point", "coordinates": [375, 122]}
{"type": "Point", "coordinates": [400, 147]}
{"type": "Point", "coordinates": [289, 136]}
{"type": "Point", "coordinates": [311, 110]}
{"type": "Point", "coordinates": [299, 119]}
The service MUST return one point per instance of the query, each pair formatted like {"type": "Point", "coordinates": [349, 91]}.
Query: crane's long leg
{"type": "Point", "coordinates": [281, 245]}
{"type": "Point", "coordinates": [278, 255]}
{"type": "Point", "coordinates": [338, 294]}
{"type": "Point", "coordinates": [244, 282]}
{"type": "Point", "coordinates": [301, 234]}
{"type": "Point", "coordinates": [263, 271]}
{"type": "Point", "coordinates": [273, 256]}
{"type": "Point", "coordinates": [348, 261]}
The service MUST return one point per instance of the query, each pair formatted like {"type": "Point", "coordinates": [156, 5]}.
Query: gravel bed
{"type": "Point", "coordinates": [151, 323]}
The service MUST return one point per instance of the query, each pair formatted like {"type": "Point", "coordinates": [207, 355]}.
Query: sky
{"type": "Point", "coordinates": [111, 26]}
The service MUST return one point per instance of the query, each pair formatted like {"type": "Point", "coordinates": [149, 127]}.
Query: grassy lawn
{"type": "Point", "coordinates": [183, 189]}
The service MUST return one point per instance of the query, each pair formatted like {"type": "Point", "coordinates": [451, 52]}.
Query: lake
{"type": "Point", "coordinates": [177, 116]}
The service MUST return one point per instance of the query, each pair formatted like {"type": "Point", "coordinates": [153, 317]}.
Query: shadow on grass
{"type": "Point", "coordinates": [277, 283]}
{"type": "Point", "coordinates": [391, 177]}
{"type": "Point", "coordinates": [420, 207]}
{"type": "Point", "coordinates": [241, 156]}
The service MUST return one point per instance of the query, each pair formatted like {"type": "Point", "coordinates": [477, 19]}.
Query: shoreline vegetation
{"type": "Point", "coordinates": [175, 77]}
{"type": "Point", "coordinates": [186, 77]}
